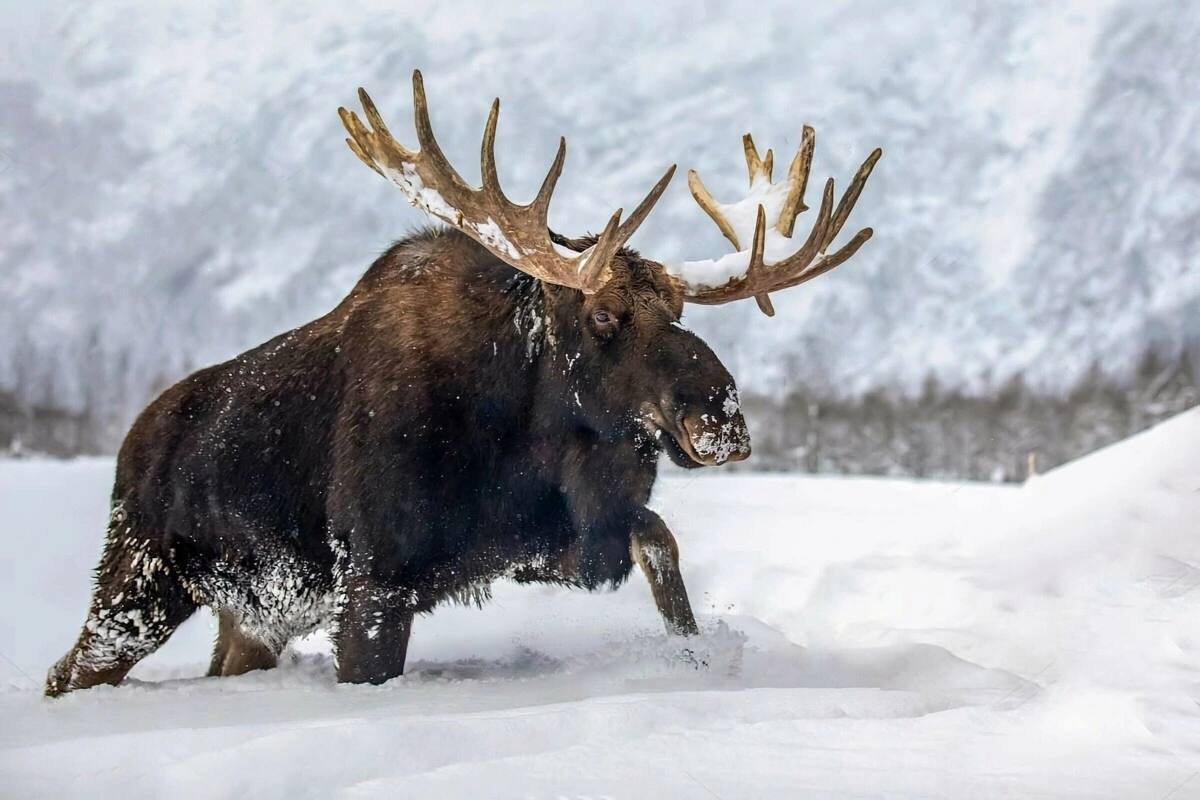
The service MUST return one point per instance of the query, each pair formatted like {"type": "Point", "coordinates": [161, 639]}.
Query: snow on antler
{"type": "Point", "coordinates": [771, 261]}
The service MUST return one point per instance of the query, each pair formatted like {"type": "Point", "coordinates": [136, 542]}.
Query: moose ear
{"type": "Point", "coordinates": [578, 245]}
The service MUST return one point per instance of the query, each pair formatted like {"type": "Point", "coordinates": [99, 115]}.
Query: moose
{"type": "Point", "coordinates": [491, 400]}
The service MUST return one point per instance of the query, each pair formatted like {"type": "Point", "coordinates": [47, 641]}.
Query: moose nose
{"type": "Point", "coordinates": [712, 440]}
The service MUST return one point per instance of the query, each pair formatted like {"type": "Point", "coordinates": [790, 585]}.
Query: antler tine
{"type": "Point", "coordinates": [430, 148]}
{"type": "Point", "coordinates": [371, 146]}
{"type": "Point", "coordinates": [487, 156]}
{"type": "Point", "coordinates": [818, 237]}
{"type": "Point", "coordinates": [357, 140]}
{"type": "Point", "coordinates": [373, 115]}
{"type": "Point", "coordinates": [756, 261]}
{"type": "Point", "coordinates": [363, 157]}
{"type": "Point", "coordinates": [595, 259]}
{"type": "Point", "coordinates": [541, 204]}
{"type": "Point", "coordinates": [645, 207]}
{"type": "Point", "coordinates": [846, 204]}
{"type": "Point", "coordinates": [711, 207]}
{"type": "Point", "coordinates": [710, 283]}
{"type": "Point", "coordinates": [797, 182]}
{"type": "Point", "coordinates": [616, 233]}
{"type": "Point", "coordinates": [755, 166]}
{"type": "Point", "coordinates": [826, 263]}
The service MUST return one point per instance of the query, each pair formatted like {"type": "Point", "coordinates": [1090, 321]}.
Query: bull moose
{"type": "Point", "coordinates": [490, 400]}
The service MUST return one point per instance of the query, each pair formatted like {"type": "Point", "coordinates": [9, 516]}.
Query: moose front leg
{"type": "Point", "coordinates": [654, 549]}
{"type": "Point", "coordinates": [371, 537]}
{"type": "Point", "coordinates": [373, 625]}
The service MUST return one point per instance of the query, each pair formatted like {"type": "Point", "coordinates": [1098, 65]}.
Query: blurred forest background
{"type": "Point", "coordinates": [174, 188]}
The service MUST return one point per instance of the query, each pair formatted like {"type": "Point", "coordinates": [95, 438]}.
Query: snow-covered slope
{"type": "Point", "coordinates": [863, 638]}
{"type": "Point", "coordinates": [174, 186]}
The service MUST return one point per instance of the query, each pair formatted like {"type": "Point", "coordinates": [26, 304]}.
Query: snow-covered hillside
{"type": "Point", "coordinates": [174, 185]}
{"type": "Point", "coordinates": [863, 638]}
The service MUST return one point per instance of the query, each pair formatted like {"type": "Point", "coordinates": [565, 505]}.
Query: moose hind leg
{"type": "Point", "coordinates": [654, 549]}
{"type": "Point", "coordinates": [137, 604]}
{"type": "Point", "coordinates": [235, 652]}
{"type": "Point", "coordinates": [225, 624]}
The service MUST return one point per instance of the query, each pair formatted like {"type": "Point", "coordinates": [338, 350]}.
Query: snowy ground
{"type": "Point", "coordinates": [864, 638]}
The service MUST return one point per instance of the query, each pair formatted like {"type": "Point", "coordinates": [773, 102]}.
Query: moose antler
{"type": "Point", "coordinates": [747, 273]}
{"type": "Point", "coordinates": [516, 234]}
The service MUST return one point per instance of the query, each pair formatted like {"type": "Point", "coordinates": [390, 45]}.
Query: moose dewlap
{"type": "Point", "coordinates": [491, 399]}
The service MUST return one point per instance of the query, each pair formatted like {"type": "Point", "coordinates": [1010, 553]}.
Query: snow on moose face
{"type": "Point", "coordinates": [717, 438]}
{"type": "Point", "coordinates": [705, 434]}
{"type": "Point", "coordinates": [696, 435]}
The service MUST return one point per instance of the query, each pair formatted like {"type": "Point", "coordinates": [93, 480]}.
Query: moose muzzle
{"type": "Point", "coordinates": [701, 434]}
{"type": "Point", "coordinates": [712, 441]}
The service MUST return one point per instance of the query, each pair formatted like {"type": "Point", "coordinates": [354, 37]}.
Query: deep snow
{"type": "Point", "coordinates": [863, 638]}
